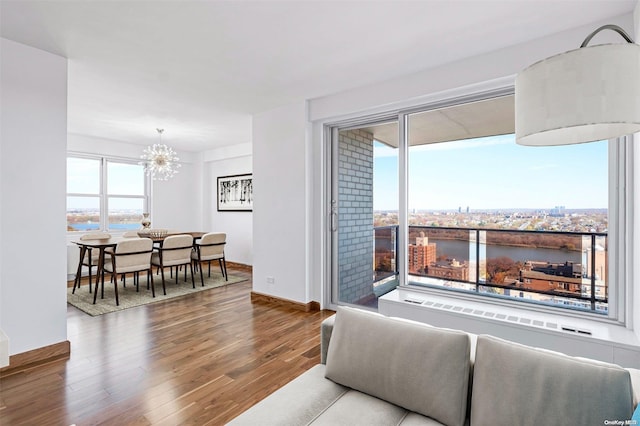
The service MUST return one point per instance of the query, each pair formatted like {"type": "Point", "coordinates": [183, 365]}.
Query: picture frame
{"type": "Point", "coordinates": [235, 193]}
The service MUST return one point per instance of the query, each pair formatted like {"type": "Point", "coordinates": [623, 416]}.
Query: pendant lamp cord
{"type": "Point", "coordinates": [607, 27]}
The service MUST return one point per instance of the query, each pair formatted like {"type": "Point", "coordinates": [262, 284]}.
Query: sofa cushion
{"type": "Point", "coordinates": [635, 383]}
{"type": "Point", "coordinates": [357, 408]}
{"type": "Point", "coordinates": [297, 403]}
{"type": "Point", "coordinates": [423, 369]}
{"type": "Point", "coordinates": [516, 384]}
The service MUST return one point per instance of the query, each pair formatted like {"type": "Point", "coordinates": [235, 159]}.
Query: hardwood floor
{"type": "Point", "coordinates": [196, 360]}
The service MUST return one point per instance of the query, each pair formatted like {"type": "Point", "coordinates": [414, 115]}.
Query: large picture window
{"type": "Point", "coordinates": [105, 194]}
{"type": "Point", "coordinates": [480, 215]}
{"type": "Point", "coordinates": [497, 218]}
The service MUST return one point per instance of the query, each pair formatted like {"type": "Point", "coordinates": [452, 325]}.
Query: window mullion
{"type": "Point", "coordinates": [403, 205]}
{"type": "Point", "coordinates": [104, 204]}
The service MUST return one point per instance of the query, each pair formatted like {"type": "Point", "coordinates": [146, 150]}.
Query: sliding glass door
{"type": "Point", "coordinates": [364, 212]}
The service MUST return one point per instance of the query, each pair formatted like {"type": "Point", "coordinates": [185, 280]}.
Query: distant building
{"type": "Point", "coordinates": [566, 269]}
{"type": "Point", "coordinates": [421, 254]}
{"type": "Point", "coordinates": [452, 270]}
{"type": "Point", "coordinates": [552, 277]}
{"type": "Point", "coordinates": [557, 211]}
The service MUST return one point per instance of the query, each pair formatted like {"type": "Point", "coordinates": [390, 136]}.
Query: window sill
{"type": "Point", "coordinates": [593, 338]}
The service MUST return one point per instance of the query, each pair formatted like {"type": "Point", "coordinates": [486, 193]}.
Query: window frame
{"type": "Point", "coordinates": [620, 202]}
{"type": "Point", "coordinates": [621, 199]}
{"type": "Point", "coordinates": [103, 194]}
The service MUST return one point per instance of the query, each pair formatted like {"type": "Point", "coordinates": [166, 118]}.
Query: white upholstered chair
{"type": "Point", "coordinates": [210, 248]}
{"type": "Point", "coordinates": [131, 234]}
{"type": "Point", "coordinates": [131, 255]}
{"type": "Point", "coordinates": [90, 257]}
{"type": "Point", "coordinates": [174, 251]}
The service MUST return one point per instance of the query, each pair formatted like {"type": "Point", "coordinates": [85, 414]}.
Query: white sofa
{"type": "Point", "coordinates": [377, 370]}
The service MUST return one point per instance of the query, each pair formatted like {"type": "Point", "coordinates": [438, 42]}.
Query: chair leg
{"type": "Point", "coordinates": [209, 269]}
{"type": "Point", "coordinates": [201, 277]}
{"type": "Point", "coordinates": [223, 268]}
{"type": "Point", "coordinates": [115, 289]}
{"type": "Point", "coordinates": [193, 281]}
{"type": "Point", "coordinates": [226, 273]}
{"type": "Point", "coordinates": [150, 275]}
{"type": "Point", "coordinates": [164, 290]}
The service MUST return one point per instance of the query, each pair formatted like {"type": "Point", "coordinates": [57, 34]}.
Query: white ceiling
{"type": "Point", "coordinates": [200, 69]}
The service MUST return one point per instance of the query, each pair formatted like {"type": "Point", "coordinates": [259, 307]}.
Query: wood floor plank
{"type": "Point", "coordinates": [196, 360]}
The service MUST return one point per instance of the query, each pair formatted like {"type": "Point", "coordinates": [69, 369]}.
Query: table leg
{"type": "Point", "coordinates": [101, 270]}
{"type": "Point", "coordinates": [76, 282]}
{"type": "Point", "coordinates": [99, 275]}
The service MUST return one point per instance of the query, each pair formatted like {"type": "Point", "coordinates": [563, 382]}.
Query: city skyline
{"type": "Point", "coordinates": [494, 173]}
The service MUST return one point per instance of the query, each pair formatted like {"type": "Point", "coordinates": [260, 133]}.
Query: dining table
{"type": "Point", "coordinates": [102, 244]}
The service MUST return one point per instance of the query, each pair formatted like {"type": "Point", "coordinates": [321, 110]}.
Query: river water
{"type": "Point", "coordinates": [459, 250]}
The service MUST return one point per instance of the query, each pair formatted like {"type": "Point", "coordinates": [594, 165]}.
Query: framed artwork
{"type": "Point", "coordinates": [235, 193]}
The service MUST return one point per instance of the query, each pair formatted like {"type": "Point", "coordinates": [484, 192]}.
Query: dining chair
{"type": "Point", "coordinates": [131, 234]}
{"type": "Point", "coordinates": [131, 255]}
{"type": "Point", "coordinates": [210, 248]}
{"type": "Point", "coordinates": [89, 257]}
{"type": "Point", "coordinates": [175, 250]}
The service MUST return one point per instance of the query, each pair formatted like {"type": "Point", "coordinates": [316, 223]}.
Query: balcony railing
{"type": "Point", "coordinates": [567, 269]}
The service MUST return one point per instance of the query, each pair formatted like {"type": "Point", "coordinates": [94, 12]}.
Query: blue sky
{"type": "Point", "coordinates": [83, 177]}
{"type": "Point", "coordinates": [494, 173]}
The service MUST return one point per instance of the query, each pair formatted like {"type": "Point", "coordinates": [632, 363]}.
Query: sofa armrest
{"type": "Point", "coordinates": [325, 335]}
{"type": "Point", "coordinates": [635, 384]}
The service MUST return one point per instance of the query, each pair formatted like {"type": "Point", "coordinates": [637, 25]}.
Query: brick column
{"type": "Point", "coordinates": [355, 210]}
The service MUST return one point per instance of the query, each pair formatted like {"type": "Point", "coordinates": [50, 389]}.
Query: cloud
{"type": "Point", "coordinates": [539, 167]}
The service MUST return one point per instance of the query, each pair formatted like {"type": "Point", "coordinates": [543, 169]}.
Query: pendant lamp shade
{"type": "Point", "coordinates": [584, 95]}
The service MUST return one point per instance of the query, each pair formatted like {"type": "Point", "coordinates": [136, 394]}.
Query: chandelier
{"type": "Point", "coordinates": [160, 161]}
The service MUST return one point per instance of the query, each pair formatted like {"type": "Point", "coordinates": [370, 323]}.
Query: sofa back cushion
{"type": "Point", "coordinates": [516, 384]}
{"type": "Point", "coordinates": [423, 369]}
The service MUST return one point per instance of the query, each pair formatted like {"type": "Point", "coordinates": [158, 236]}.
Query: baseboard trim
{"type": "Point", "coordinates": [240, 266]}
{"type": "Point", "coordinates": [278, 301]}
{"type": "Point", "coordinates": [36, 357]}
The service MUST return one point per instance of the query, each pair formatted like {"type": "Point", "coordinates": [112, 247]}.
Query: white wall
{"type": "Point", "coordinates": [238, 226]}
{"type": "Point", "coordinates": [33, 299]}
{"type": "Point", "coordinates": [281, 198]}
{"type": "Point", "coordinates": [177, 202]}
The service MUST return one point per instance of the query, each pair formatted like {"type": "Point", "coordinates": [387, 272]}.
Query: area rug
{"type": "Point", "coordinates": [129, 298]}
